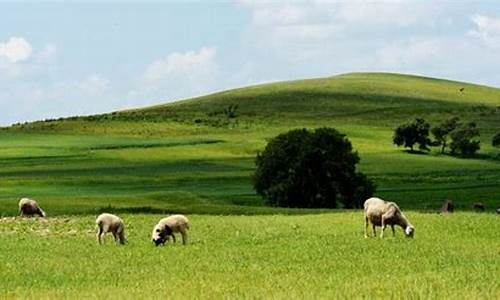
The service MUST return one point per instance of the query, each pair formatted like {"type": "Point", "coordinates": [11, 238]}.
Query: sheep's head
{"type": "Point", "coordinates": [160, 234]}
{"type": "Point", "coordinates": [409, 231]}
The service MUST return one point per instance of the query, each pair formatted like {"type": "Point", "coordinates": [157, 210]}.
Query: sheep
{"type": "Point", "coordinates": [166, 228]}
{"type": "Point", "coordinates": [478, 206]}
{"type": "Point", "coordinates": [382, 213]}
{"type": "Point", "coordinates": [447, 207]}
{"type": "Point", "coordinates": [29, 207]}
{"type": "Point", "coordinates": [110, 223]}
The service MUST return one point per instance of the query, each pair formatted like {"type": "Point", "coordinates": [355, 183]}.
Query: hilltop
{"type": "Point", "coordinates": [197, 155]}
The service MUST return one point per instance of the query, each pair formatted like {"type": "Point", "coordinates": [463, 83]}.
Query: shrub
{"type": "Point", "coordinates": [496, 140]}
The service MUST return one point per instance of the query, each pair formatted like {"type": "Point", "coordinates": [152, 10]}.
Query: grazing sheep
{"type": "Point", "coordinates": [479, 206]}
{"type": "Point", "coordinates": [382, 213]}
{"type": "Point", "coordinates": [29, 207]}
{"type": "Point", "coordinates": [498, 210]}
{"type": "Point", "coordinates": [166, 228]}
{"type": "Point", "coordinates": [110, 223]}
{"type": "Point", "coordinates": [447, 207]}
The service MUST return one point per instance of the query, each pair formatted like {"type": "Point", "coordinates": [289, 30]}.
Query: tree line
{"type": "Point", "coordinates": [459, 138]}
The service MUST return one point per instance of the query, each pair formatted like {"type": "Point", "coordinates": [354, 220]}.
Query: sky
{"type": "Point", "coordinates": [66, 58]}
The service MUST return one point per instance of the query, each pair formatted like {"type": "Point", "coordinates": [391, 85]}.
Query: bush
{"type": "Point", "coordinates": [416, 132]}
{"type": "Point", "coordinates": [311, 169]}
{"type": "Point", "coordinates": [496, 140]}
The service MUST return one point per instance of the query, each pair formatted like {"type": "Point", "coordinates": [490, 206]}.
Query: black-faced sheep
{"type": "Point", "coordinates": [29, 207]}
{"type": "Point", "coordinates": [166, 228]}
{"type": "Point", "coordinates": [382, 213]}
{"type": "Point", "coordinates": [110, 223]}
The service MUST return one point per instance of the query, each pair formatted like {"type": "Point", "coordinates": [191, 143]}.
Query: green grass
{"type": "Point", "coordinates": [188, 156]}
{"type": "Point", "coordinates": [321, 256]}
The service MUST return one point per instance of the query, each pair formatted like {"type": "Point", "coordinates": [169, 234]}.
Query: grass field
{"type": "Point", "coordinates": [191, 157]}
{"type": "Point", "coordinates": [285, 257]}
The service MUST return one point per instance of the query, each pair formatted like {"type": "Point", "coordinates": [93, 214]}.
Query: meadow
{"type": "Point", "coordinates": [194, 157]}
{"type": "Point", "coordinates": [276, 256]}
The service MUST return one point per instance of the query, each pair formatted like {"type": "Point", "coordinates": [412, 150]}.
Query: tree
{"type": "Point", "coordinates": [463, 142]}
{"type": "Point", "coordinates": [303, 168]}
{"type": "Point", "coordinates": [496, 140]}
{"type": "Point", "coordinates": [442, 132]}
{"type": "Point", "coordinates": [416, 132]}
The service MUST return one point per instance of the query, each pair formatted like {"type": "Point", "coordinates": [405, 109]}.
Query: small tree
{"type": "Point", "coordinates": [463, 142]}
{"type": "Point", "coordinates": [442, 132]}
{"type": "Point", "coordinates": [416, 132]}
{"type": "Point", "coordinates": [303, 168]}
{"type": "Point", "coordinates": [496, 140]}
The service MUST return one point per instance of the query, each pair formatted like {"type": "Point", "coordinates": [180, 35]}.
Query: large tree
{"type": "Point", "coordinates": [463, 140]}
{"type": "Point", "coordinates": [303, 168]}
{"type": "Point", "coordinates": [416, 132]}
{"type": "Point", "coordinates": [442, 132]}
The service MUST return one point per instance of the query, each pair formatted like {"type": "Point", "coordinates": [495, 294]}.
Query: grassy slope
{"type": "Point", "coordinates": [286, 257]}
{"type": "Point", "coordinates": [187, 156]}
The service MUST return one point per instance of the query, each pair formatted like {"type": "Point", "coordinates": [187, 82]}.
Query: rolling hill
{"type": "Point", "coordinates": [197, 155]}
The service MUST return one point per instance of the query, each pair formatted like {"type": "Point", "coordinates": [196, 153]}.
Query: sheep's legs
{"type": "Point", "coordinates": [384, 226]}
{"type": "Point", "coordinates": [366, 227]}
{"type": "Point", "coordinates": [374, 231]}
{"type": "Point", "coordinates": [393, 232]}
{"type": "Point", "coordinates": [173, 238]}
{"type": "Point", "coordinates": [184, 237]}
{"type": "Point", "coordinates": [99, 235]}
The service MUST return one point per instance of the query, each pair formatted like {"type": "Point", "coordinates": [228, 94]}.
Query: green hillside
{"type": "Point", "coordinates": [194, 156]}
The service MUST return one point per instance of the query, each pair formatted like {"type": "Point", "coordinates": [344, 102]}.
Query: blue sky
{"type": "Point", "coordinates": [68, 58]}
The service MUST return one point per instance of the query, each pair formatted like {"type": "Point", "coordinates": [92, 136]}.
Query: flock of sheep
{"type": "Point", "coordinates": [377, 212]}
{"type": "Point", "coordinates": [105, 223]}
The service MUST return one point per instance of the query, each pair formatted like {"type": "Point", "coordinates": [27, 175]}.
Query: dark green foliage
{"type": "Point", "coordinates": [230, 111]}
{"type": "Point", "coordinates": [442, 132]}
{"type": "Point", "coordinates": [310, 169]}
{"type": "Point", "coordinates": [463, 142]}
{"type": "Point", "coordinates": [416, 132]}
{"type": "Point", "coordinates": [496, 140]}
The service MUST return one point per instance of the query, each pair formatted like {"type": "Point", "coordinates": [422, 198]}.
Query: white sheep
{"type": "Point", "coordinates": [110, 223]}
{"type": "Point", "coordinates": [29, 207]}
{"type": "Point", "coordinates": [166, 228]}
{"type": "Point", "coordinates": [382, 213]}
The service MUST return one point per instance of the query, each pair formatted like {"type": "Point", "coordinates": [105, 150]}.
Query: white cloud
{"type": "Point", "coordinates": [178, 75]}
{"type": "Point", "coordinates": [15, 50]}
{"type": "Point", "coordinates": [487, 29]}
{"type": "Point", "coordinates": [188, 64]}
{"type": "Point", "coordinates": [91, 85]}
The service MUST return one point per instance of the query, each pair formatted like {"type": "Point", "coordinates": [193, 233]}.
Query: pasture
{"type": "Point", "coordinates": [276, 256]}
{"type": "Point", "coordinates": [191, 157]}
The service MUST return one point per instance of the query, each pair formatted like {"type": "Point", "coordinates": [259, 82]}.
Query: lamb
{"type": "Point", "coordinates": [382, 213]}
{"type": "Point", "coordinates": [29, 207]}
{"type": "Point", "coordinates": [110, 223]}
{"type": "Point", "coordinates": [166, 228]}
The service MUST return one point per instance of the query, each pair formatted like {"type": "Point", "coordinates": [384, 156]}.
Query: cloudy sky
{"type": "Point", "coordinates": [70, 58]}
